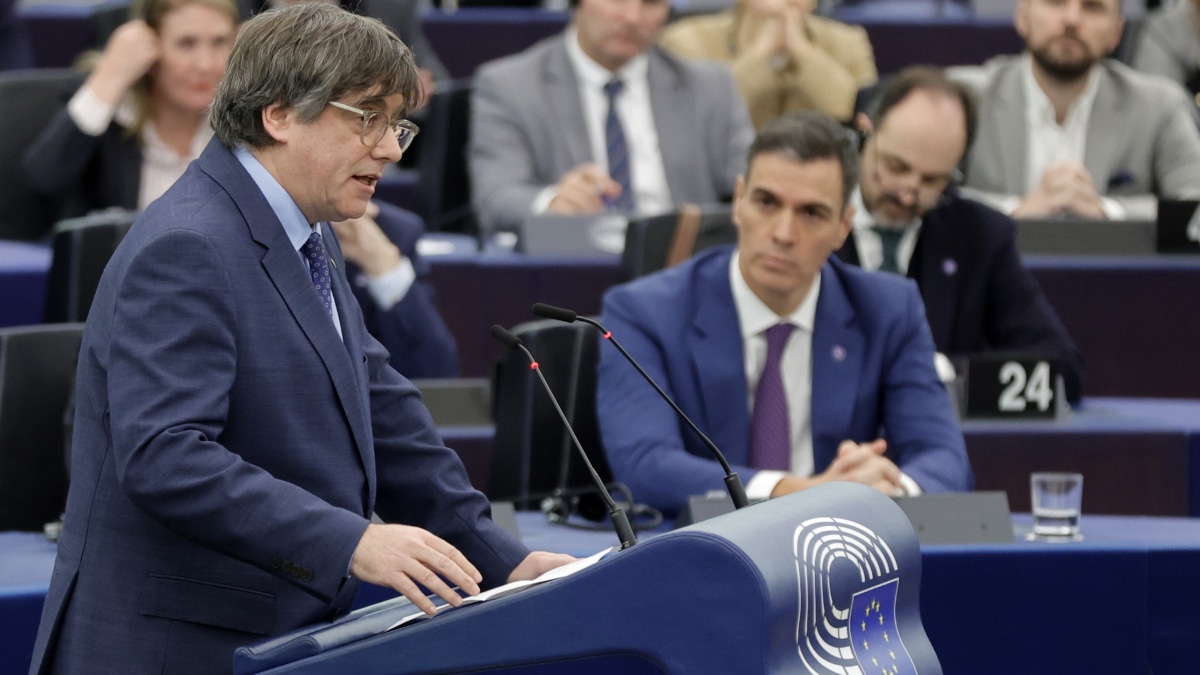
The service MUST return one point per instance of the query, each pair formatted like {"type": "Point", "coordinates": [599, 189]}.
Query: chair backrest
{"type": "Point", "coordinates": [533, 454]}
{"type": "Point", "coordinates": [37, 375]}
{"type": "Point", "coordinates": [445, 197]}
{"type": "Point", "coordinates": [658, 242]}
{"type": "Point", "coordinates": [29, 99]}
{"type": "Point", "coordinates": [1129, 40]}
{"type": "Point", "coordinates": [82, 248]}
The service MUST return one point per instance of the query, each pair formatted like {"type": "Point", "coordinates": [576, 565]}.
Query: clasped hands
{"type": "Point", "coordinates": [775, 31]}
{"type": "Point", "coordinates": [1065, 188]}
{"type": "Point", "coordinates": [855, 462]}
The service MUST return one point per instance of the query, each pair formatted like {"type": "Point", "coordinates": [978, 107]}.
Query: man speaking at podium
{"type": "Point", "coordinates": [800, 368]}
{"type": "Point", "coordinates": [236, 426]}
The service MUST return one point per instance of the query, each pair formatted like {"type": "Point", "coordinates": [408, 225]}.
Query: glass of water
{"type": "Point", "coordinates": [1056, 500]}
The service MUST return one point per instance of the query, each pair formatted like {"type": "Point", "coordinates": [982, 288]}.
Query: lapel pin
{"type": "Point", "coordinates": [839, 353]}
{"type": "Point", "coordinates": [949, 267]}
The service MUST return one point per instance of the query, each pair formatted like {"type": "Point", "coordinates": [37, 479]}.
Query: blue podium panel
{"type": "Point", "coordinates": [1033, 609]}
{"type": "Point", "coordinates": [822, 582]}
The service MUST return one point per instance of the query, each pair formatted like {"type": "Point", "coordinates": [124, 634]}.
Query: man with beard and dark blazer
{"type": "Point", "coordinates": [912, 221]}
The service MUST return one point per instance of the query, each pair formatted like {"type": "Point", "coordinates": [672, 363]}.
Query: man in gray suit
{"type": "Point", "coordinates": [600, 119]}
{"type": "Point", "coordinates": [1064, 130]}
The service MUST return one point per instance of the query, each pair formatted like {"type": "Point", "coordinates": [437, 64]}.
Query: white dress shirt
{"type": "Point", "coordinates": [161, 164]}
{"type": "Point", "coordinates": [1049, 142]}
{"type": "Point", "coordinates": [868, 243]}
{"type": "Point", "coordinates": [754, 318]}
{"type": "Point", "coordinates": [652, 194]}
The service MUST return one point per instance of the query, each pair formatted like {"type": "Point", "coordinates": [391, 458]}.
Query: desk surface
{"type": "Point", "coordinates": [1139, 456]}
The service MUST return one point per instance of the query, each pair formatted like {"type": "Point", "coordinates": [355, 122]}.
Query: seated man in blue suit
{"type": "Point", "coordinates": [911, 221]}
{"type": "Point", "coordinates": [802, 369]}
{"type": "Point", "coordinates": [236, 426]}
{"type": "Point", "coordinates": [390, 281]}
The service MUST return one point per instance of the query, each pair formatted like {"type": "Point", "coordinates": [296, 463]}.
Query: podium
{"type": "Point", "coordinates": [822, 581]}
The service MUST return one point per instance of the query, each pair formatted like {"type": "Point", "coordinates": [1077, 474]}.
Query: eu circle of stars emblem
{"type": "Point", "coordinates": [873, 633]}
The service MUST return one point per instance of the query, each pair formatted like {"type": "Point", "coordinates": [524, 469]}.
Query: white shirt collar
{"type": "Point", "coordinates": [754, 316]}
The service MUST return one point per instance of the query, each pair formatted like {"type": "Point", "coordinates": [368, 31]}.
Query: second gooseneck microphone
{"type": "Point", "coordinates": [619, 519]}
{"type": "Point", "coordinates": [732, 482]}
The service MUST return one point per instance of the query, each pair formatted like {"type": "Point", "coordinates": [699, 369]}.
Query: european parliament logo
{"type": "Point", "coordinates": [848, 581]}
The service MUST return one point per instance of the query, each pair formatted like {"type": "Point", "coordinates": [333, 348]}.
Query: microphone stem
{"type": "Point", "coordinates": [733, 483]}
{"type": "Point", "coordinates": [620, 520]}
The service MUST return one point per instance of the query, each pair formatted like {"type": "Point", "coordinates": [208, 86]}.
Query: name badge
{"type": "Point", "coordinates": [1017, 386]}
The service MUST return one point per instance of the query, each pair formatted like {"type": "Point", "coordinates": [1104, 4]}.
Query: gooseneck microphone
{"type": "Point", "coordinates": [732, 483]}
{"type": "Point", "coordinates": [617, 514]}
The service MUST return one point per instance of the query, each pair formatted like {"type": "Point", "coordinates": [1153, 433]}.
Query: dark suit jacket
{"type": "Point", "coordinates": [412, 330]}
{"type": "Point", "coordinates": [229, 447]}
{"type": "Point", "coordinates": [872, 373]}
{"type": "Point", "coordinates": [978, 296]}
{"type": "Point", "coordinates": [84, 173]}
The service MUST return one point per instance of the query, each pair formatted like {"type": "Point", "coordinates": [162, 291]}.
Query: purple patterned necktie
{"type": "Point", "coordinates": [770, 434]}
{"type": "Point", "coordinates": [318, 267]}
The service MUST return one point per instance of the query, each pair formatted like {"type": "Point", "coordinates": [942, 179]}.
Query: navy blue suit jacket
{"type": "Point", "coordinates": [978, 295]}
{"type": "Point", "coordinates": [230, 448]}
{"type": "Point", "coordinates": [872, 375]}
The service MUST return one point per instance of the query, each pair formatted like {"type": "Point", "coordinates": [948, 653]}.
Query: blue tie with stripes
{"type": "Point", "coordinates": [618, 151]}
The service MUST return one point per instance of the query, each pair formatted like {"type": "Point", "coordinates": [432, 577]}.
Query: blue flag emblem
{"type": "Point", "coordinates": [848, 580]}
{"type": "Point", "coordinates": [873, 633]}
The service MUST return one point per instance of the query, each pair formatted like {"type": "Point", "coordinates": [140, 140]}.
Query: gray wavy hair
{"type": "Point", "coordinates": [303, 57]}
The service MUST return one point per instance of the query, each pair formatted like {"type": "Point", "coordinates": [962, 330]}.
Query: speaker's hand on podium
{"type": "Point", "coordinates": [400, 557]}
{"type": "Point", "coordinates": [538, 563]}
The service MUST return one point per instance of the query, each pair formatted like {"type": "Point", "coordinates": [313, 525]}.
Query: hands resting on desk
{"type": "Point", "coordinates": [856, 462]}
{"type": "Point", "coordinates": [400, 557]}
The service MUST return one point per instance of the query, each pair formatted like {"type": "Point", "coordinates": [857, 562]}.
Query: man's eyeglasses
{"type": "Point", "coordinates": [895, 176]}
{"type": "Point", "coordinates": [374, 125]}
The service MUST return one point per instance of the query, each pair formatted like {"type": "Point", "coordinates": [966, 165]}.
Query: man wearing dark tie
{"type": "Point", "coordinates": [800, 368]}
{"type": "Point", "coordinates": [911, 220]}
{"type": "Point", "coordinates": [236, 426]}
{"type": "Point", "coordinates": [600, 119]}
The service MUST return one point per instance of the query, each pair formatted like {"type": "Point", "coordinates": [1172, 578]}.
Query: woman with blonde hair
{"type": "Point", "coordinates": [141, 115]}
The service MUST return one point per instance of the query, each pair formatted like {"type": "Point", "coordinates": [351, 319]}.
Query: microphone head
{"type": "Point", "coordinates": [506, 338]}
{"type": "Point", "coordinates": [556, 313]}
